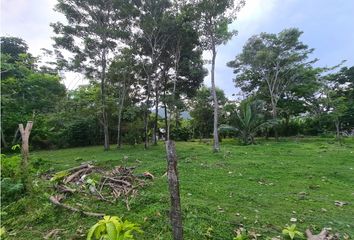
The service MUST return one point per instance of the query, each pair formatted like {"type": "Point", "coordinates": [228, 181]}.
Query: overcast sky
{"type": "Point", "coordinates": [328, 26]}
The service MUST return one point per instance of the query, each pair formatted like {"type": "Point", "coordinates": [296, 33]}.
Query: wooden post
{"type": "Point", "coordinates": [25, 133]}
{"type": "Point", "coordinates": [172, 175]}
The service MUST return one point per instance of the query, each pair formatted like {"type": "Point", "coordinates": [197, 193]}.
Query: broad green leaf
{"type": "Point", "coordinates": [111, 231]}
{"type": "Point", "coordinates": [91, 231]}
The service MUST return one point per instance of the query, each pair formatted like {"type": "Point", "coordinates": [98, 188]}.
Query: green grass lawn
{"type": "Point", "coordinates": [259, 187]}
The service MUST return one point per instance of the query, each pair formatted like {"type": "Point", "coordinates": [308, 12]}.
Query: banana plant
{"type": "Point", "coordinates": [113, 228]}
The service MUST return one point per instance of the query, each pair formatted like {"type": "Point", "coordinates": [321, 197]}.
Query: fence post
{"type": "Point", "coordinates": [173, 184]}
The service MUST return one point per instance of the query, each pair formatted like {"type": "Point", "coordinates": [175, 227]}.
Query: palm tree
{"type": "Point", "coordinates": [247, 120]}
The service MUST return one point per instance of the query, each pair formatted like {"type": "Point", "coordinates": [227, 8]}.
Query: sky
{"type": "Point", "coordinates": [328, 27]}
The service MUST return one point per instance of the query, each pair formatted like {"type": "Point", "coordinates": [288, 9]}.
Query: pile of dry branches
{"type": "Point", "coordinates": [89, 180]}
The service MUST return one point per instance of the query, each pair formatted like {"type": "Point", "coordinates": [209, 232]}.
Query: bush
{"type": "Point", "coordinates": [11, 190]}
{"type": "Point", "coordinates": [80, 132]}
{"type": "Point", "coordinates": [132, 137]}
{"type": "Point", "coordinates": [181, 134]}
{"type": "Point", "coordinates": [10, 166]}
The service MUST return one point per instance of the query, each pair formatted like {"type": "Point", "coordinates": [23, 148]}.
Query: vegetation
{"type": "Point", "coordinates": [291, 232]}
{"type": "Point", "coordinates": [144, 67]}
{"type": "Point", "coordinates": [113, 228]}
{"type": "Point", "coordinates": [260, 187]}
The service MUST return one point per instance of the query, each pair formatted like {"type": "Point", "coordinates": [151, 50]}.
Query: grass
{"type": "Point", "coordinates": [259, 187]}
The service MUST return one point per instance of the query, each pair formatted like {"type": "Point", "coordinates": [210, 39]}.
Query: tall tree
{"type": "Point", "coordinates": [181, 62]}
{"type": "Point", "coordinates": [202, 107]}
{"type": "Point", "coordinates": [214, 19]}
{"type": "Point", "coordinates": [92, 34]}
{"type": "Point", "coordinates": [271, 64]}
{"type": "Point", "coordinates": [122, 75]}
{"type": "Point", "coordinates": [338, 97]}
{"type": "Point", "coordinates": [13, 46]}
{"type": "Point", "coordinates": [151, 40]}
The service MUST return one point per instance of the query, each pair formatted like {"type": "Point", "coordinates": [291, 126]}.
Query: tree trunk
{"type": "Point", "coordinates": [166, 124]}
{"type": "Point", "coordinates": [176, 117]}
{"type": "Point", "coordinates": [120, 110]}
{"type": "Point", "coordinates": [167, 137]}
{"type": "Point", "coordinates": [216, 146]}
{"type": "Point", "coordinates": [15, 137]}
{"type": "Point", "coordinates": [3, 140]}
{"type": "Point", "coordinates": [338, 136]}
{"type": "Point", "coordinates": [156, 114]}
{"type": "Point", "coordinates": [173, 184]}
{"type": "Point", "coordinates": [25, 134]}
{"type": "Point", "coordinates": [146, 115]}
{"type": "Point", "coordinates": [287, 120]}
{"type": "Point", "coordinates": [119, 129]}
{"type": "Point", "coordinates": [103, 102]}
{"type": "Point", "coordinates": [146, 140]}
{"type": "Point", "coordinates": [274, 115]}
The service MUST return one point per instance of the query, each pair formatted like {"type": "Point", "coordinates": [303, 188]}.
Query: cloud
{"type": "Point", "coordinates": [29, 20]}
{"type": "Point", "coordinates": [326, 24]}
{"type": "Point", "coordinates": [247, 24]}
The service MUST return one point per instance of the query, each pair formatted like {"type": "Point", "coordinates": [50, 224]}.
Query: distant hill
{"type": "Point", "coordinates": [184, 114]}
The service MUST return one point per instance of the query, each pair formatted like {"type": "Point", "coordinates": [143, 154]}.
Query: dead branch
{"type": "Point", "coordinates": [322, 236]}
{"type": "Point", "coordinates": [56, 201]}
{"type": "Point", "coordinates": [117, 180]}
{"type": "Point", "coordinates": [75, 174]}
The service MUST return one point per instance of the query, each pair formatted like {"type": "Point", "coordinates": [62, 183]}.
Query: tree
{"type": "Point", "coordinates": [181, 64]}
{"type": "Point", "coordinates": [26, 92]}
{"type": "Point", "coordinates": [151, 39]}
{"type": "Point", "coordinates": [248, 119]}
{"type": "Point", "coordinates": [13, 46]}
{"type": "Point", "coordinates": [298, 99]}
{"type": "Point", "coordinates": [121, 76]}
{"type": "Point", "coordinates": [214, 19]}
{"type": "Point", "coordinates": [94, 30]}
{"type": "Point", "coordinates": [202, 109]}
{"type": "Point", "coordinates": [270, 64]}
{"type": "Point", "coordinates": [338, 97]}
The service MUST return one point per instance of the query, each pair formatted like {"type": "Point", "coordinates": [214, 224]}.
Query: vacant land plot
{"type": "Point", "coordinates": [260, 187]}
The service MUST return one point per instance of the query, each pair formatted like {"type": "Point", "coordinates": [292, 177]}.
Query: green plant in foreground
{"type": "Point", "coordinates": [241, 235]}
{"type": "Point", "coordinates": [113, 228]}
{"type": "Point", "coordinates": [292, 232]}
{"type": "Point", "coordinates": [2, 232]}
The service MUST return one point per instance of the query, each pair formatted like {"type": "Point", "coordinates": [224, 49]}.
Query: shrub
{"type": "Point", "coordinates": [181, 134]}
{"type": "Point", "coordinates": [11, 190]}
{"type": "Point", "coordinates": [10, 166]}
